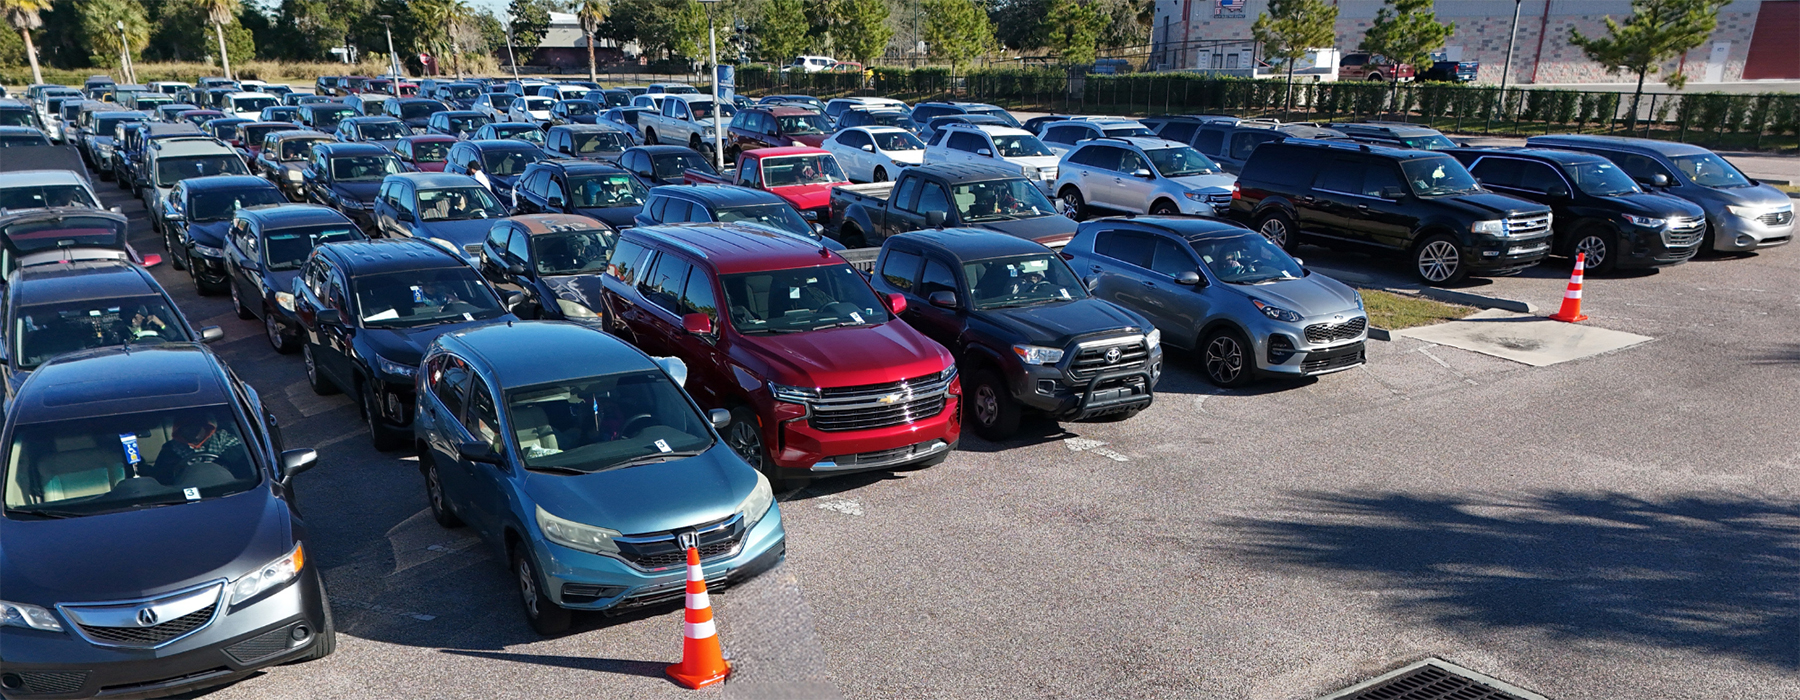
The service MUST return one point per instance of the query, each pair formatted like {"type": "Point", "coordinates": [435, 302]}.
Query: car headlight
{"type": "Point", "coordinates": [394, 368]}
{"type": "Point", "coordinates": [1646, 221]}
{"type": "Point", "coordinates": [1275, 312]}
{"type": "Point", "coordinates": [267, 576]}
{"type": "Point", "coordinates": [1750, 212]}
{"type": "Point", "coordinates": [1359, 299]}
{"type": "Point", "coordinates": [293, 175]}
{"type": "Point", "coordinates": [285, 300]}
{"type": "Point", "coordinates": [350, 203]}
{"type": "Point", "coordinates": [208, 251]}
{"type": "Point", "coordinates": [574, 535]}
{"type": "Point", "coordinates": [574, 310]}
{"type": "Point", "coordinates": [758, 503]}
{"type": "Point", "coordinates": [948, 374]}
{"type": "Point", "coordinates": [1491, 227]}
{"type": "Point", "coordinates": [1196, 196]}
{"type": "Point", "coordinates": [1153, 338]}
{"type": "Point", "coordinates": [793, 394]}
{"type": "Point", "coordinates": [1038, 355]}
{"type": "Point", "coordinates": [28, 616]}
{"type": "Point", "coordinates": [106, 150]}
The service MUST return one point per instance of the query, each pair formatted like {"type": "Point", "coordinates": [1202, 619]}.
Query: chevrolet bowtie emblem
{"type": "Point", "coordinates": [890, 398]}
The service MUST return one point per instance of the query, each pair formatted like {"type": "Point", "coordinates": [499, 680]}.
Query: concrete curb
{"type": "Point", "coordinates": [1379, 334]}
{"type": "Point", "coordinates": [1479, 300]}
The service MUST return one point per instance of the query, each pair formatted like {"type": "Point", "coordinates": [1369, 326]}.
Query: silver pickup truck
{"type": "Point", "coordinates": [685, 120]}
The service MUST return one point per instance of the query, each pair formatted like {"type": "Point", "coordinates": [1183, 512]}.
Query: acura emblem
{"type": "Point", "coordinates": [146, 617]}
{"type": "Point", "coordinates": [1112, 356]}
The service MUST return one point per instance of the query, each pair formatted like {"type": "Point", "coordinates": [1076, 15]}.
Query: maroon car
{"type": "Point", "coordinates": [775, 127]}
{"type": "Point", "coordinates": [424, 153]}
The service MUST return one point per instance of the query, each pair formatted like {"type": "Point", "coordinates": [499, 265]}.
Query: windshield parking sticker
{"type": "Point", "coordinates": [129, 441]}
{"type": "Point", "coordinates": [663, 445]}
{"type": "Point", "coordinates": [418, 295]}
{"type": "Point", "coordinates": [192, 494]}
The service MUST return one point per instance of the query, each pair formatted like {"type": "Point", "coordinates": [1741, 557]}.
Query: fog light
{"type": "Point", "coordinates": [11, 681]}
{"type": "Point", "coordinates": [393, 405]}
{"type": "Point", "coordinates": [1046, 386]}
{"type": "Point", "coordinates": [1281, 348]}
{"type": "Point", "coordinates": [300, 633]}
{"type": "Point", "coordinates": [1492, 253]}
{"type": "Point", "coordinates": [1745, 239]}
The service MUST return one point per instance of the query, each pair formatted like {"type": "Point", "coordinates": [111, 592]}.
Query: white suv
{"type": "Point", "coordinates": [1142, 176]}
{"type": "Point", "coordinates": [986, 143]}
{"type": "Point", "coordinates": [1065, 135]}
{"type": "Point", "coordinates": [531, 109]}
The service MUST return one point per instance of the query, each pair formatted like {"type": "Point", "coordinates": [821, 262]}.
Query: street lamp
{"type": "Point", "coordinates": [1511, 39]}
{"type": "Point", "coordinates": [387, 21]}
{"type": "Point", "coordinates": [718, 107]}
{"type": "Point", "coordinates": [125, 53]}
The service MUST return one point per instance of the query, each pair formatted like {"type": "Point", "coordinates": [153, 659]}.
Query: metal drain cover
{"type": "Point", "coordinates": [1434, 679]}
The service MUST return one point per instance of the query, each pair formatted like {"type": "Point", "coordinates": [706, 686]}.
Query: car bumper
{"type": "Point", "coordinates": [1490, 256]}
{"type": "Point", "coordinates": [1649, 248]}
{"type": "Point", "coordinates": [798, 445]}
{"type": "Point", "coordinates": [1196, 208]}
{"type": "Point", "coordinates": [1736, 234]}
{"type": "Point", "coordinates": [1049, 389]}
{"type": "Point", "coordinates": [208, 270]}
{"type": "Point", "coordinates": [1283, 349]}
{"type": "Point", "coordinates": [627, 586]}
{"type": "Point", "coordinates": [233, 645]}
{"type": "Point", "coordinates": [394, 401]}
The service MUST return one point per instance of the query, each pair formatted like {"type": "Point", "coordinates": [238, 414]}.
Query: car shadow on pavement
{"type": "Point", "coordinates": [1714, 574]}
{"type": "Point", "coordinates": [647, 669]}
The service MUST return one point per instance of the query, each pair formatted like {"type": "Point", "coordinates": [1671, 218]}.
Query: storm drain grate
{"type": "Point", "coordinates": [1434, 679]}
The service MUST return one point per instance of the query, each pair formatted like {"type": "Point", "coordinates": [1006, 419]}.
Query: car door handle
{"type": "Point", "coordinates": [1363, 207]}
{"type": "Point", "coordinates": [1304, 198]}
{"type": "Point", "coordinates": [1147, 283]}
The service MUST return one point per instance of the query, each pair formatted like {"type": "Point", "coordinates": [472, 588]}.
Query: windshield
{"type": "Point", "coordinates": [430, 151]}
{"type": "Point", "coordinates": [1709, 170]}
{"type": "Point", "coordinates": [610, 190]}
{"type": "Point", "coordinates": [198, 118]}
{"type": "Point", "coordinates": [813, 169]}
{"type": "Point", "coordinates": [329, 118]}
{"type": "Point", "coordinates": [253, 135]}
{"type": "Point", "coordinates": [419, 110]}
{"type": "Point", "coordinates": [899, 119]}
{"type": "Point", "coordinates": [1433, 142]}
{"type": "Point", "coordinates": [803, 299]}
{"type": "Point", "coordinates": [46, 330]}
{"type": "Point", "coordinates": [370, 168]}
{"type": "Point", "coordinates": [896, 141]}
{"type": "Point", "coordinates": [603, 142]}
{"type": "Point", "coordinates": [1181, 162]}
{"type": "Point", "coordinates": [227, 132]}
{"type": "Point", "coordinates": [536, 104]}
{"type": "Point", "coordinates": [997, 200]}
{"type": "Point", "coordinates": [1601, 179]}
{"type": "Point", "coordinates": [22, 140]}
{"type": "Point", "coordinates": [297, 149]}
{"type": "Point", "coordinates": [172, 170]}
{"type": "Point", "coordinates": [579, 107]}
{"type": "Point", "coordinates": [508, 163]}
{"type": "Point", "coordinates": [218, 206]}
{"type": "Point", "coordinates": [1439, 175]}
{"type": "Point", "coordinates": [65, 232]}
{"type": "Point", "coordinates": [375, 131]}
{"type": "Point", "coordinates": [287, 248]}
{"type": "Point", "coordinates": [601, 422]}
{"type": "Point", "coordinates": [468, 123]}
{"type": "Point", "coordinates": [253, 104]}
{"type": "Point", "coordinates": [704, 110]}
{"type": "Point", "coordinates": [529, 134]}
{"type": "Point", "coordinates": [779, 216]}
{"type": "Point", "coordinates": [463, 92]}
{"type": "Point", "coordinates": [1026, 280]}
{"type": "Point", "coordinates": [105, 464]}
{"type": "Point", "coordinates": [1020, 146]}
{"type": "Point", "coordinates": [1247, 258]}
{"type": "Point", "coordinates": [17, 117]}
{"type": "Point", "coordinates": [105, 124]}
{"type": "Point", "coordinates": [669, 166]}
{"type": "Point", "coordinates": [40, 196]}
{"type": "Point", "coordinates": [458, 204]}
{"type": "Point", "coordinates": [802, 124]}
{"type": "Point", "coordinates": [425, 297]}
{"type": "Point", "coordinates": [997, 113]}
{"type": "Point", "coordinates": [572, 252]}
{"type": "Point", "coordinates": [617, 99]}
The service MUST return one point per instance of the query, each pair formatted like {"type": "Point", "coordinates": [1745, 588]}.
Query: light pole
{"type": "Point", "coordinates": [510, 57]}
{"type": "Point", "coordinates": [718, 107]}
{"type": "Point", "coordinates": [1511, 39]}
{"type": "Point", "coordinates": [387, 21]}
{"type": "Point", "coordinates": [125, 54]}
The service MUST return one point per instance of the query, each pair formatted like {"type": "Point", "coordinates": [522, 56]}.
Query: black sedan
{"type": "Point", "coordinates": [263, 255]}
{"type": "Point", "coordinates": [196, 215]}
{"type": "Point", "coordinates": [152, 545]}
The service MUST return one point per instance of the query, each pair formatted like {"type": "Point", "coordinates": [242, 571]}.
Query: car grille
{"type": "Point", "coordinates": [879, 405]}
{"type": "Point", "coordinates": [1528, 225]}
{"type": "Point", "coordinates": [1219, 199]}
{"type": "Point", "coordinates": [1776, 218]}
{"type": "Point", "coordinates": [1683, 232]}
{"type": "Point", "coordinates": [663, 549]}
{"type": "Point", "coordinates": [47, 682]}
{"type": "Point", "coordinates": [1329, 332]}
{"type": "Point", "coordinates": [154, 635]}
{"type": "Point", "coordinates": [259, 647]}
{"type": "Point", "coordinates": [1332, 359]}
{"type": "Point", "coordinates": [1090, 361]}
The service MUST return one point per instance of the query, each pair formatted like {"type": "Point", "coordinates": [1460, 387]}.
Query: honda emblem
{"type": "Point", "coordinates": [689, 540]}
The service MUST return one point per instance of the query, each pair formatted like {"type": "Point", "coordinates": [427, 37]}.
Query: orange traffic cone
{"type": "Point", "coordinates": [702, 660]}
{"type": "Point", "coordinates": [1571, 306]}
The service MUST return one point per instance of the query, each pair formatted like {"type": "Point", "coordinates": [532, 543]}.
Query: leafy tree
{"type": "Point", "coordinates": [780, 30]}
{"type": "Point", "coordinates": [1290, 27]}
{"type": "Point", "coordinates": [1019, 24]}
{"type": "Point", "coordinates": [1075, 30]}
{"type": "Point", "coordinates": [957, 31]}
{"type": "Point", "coordinates": [24, 16]}
{"type": "Point", "coordinates": [530, 21]}
{"type": "Point", "coordinates": [221, 13]}
{"type": "Point", "coordinates": [865, 32]}
{"type": "Point", "coordinates": [1406, 31]}
{"type": "Point", "coordinates": [1658, 30]}
{"type": "Point", "coordinates": [100, 19]}
{"type": "Point", "coordinates": [591, 13]}
{"type": "Point", "coordinates": [1128, 22]}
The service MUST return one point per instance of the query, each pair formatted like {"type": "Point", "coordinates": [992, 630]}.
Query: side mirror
{"type": "Point", "coordinates": [719, 418]}
{"type": "Point", "coordinates": [943, 299]}
{"type": "Point", "coordinates": [1559, 191]}
{"type": "Point", "coordinates": [514, 300]}
{"type": "Point", "coordinates": [152, 260]}
{"type": "Point", "coordinates": [1187, 278]}
{"type": "Point", "coordinates": [295, 461]}
{"type": "Point", "coordinates": [896, 303]}
{"type": "Point", "coordinates": [555, 202]}
{"type": "Point", "coordinates": [211, 333]}
{"type": "Point", "coordinates": [1659, 180]}
{"type": "Point", "coordinates": [698, 324]}
{"type": "Point", "coordinates": [406, 216]}
{"type": "Point", "coordinates": [477, 452]}
{"type": "Point", "coordinates": [869, 147]}
{"type": "Point", "coordinates": [1393, 192]}
{"type": "Point", "coordinates": [984, 152]}
{"type": "Point", "coordinates": [515, 268]}
{"type": "Point", "coordinates": [1299, 262]}
{"type": "Point", "coordinates": [1143, 173]}
{"type": "Point", "coordinates": [329, 317]}
{"type": "Point", "coordinates": [934, 219]}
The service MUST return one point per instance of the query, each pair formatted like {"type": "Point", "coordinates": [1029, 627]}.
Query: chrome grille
{"type": "Point", "coordinates": [1776, 218]}
{"type": "Point", "coordinates": [1094, 359]}
{"type": "Point", "coordinates": [1528, 225]}
{"type": "Point", "coordinates": [1329, 332]}
{"type": "Point", "coordinates": [153, 635]}
{"type": "Point", "coordinates": [1219, 199]}
{"type": "Point", "coordinates": [1682, 233]}
{"type": "Point", "coordinates": [879, 405]}
{"type": "Point", "coordinates": [661, 550]}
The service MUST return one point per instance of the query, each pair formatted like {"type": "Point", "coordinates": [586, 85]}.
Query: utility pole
{"type": "Point", "coordinates": [510, 57]}
{"type": "Point", "coordinates": [915, 36]}
{"type": "Point", "coordinates": [125, 55]}
{"type": "Point", "coordinates": [387, 21]}
{"type": "Point", "coordinates": [718, 107]}
{"type": "Point", "coordinates": [1511, 39]}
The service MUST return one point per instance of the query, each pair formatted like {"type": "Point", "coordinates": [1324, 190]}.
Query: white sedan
{"type": "Point", "coordinates": [875, 153]}
{"type": "Point", "coordinates": [531, 109]}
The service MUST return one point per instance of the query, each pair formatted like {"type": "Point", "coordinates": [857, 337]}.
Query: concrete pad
{"type": "Point", "coordinates": [1531, 340]}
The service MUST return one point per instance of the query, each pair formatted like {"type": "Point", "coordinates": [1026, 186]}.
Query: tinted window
{"type": "Point", "coordinates": [965, 141]}
{"type": "Point", "coordinates": [1343, 175]}
{"type": "Point", "coordinates": [932, 198]}
{"type": "Point", "coordinates": [697, 296]}
{"type": "Point", "coordinates": [623, 262]}
{"type": "Point", "coordinates": [1170, 259]}
{"type": "Point", "coordinates": [1380, 176]}
{"type": "Point", "coordinates": [908, 192]}
{"type": "Point", "coordinates": [663, 287]}
{"type": "Point", "coordinates": [1021, 281]}
{"type": "Point", "coordinates": [898, 269]}
{"type": "Point", "coordinates": [1211, 141]}
{"type": "Point", "coordinates": [288, 248]}
{"type": "Point", "coordinates": [1499, 172]}
{"type": "Point", "coordinates": [854, 139]}
{"type": "Point", "coordinates": [1125, 246]}
{"type": "Point", "coordinates": [573, 252]}
{"type": "Point", "coordinates": [1537, 177]}
{"type": "Point", "coordinates": [1287, 168]}
{"type": "Point", "coordinates": [450, 383]}
{"type": "Point", "coordinates": [937, 278]}
{"type": "Point", "coordinates": [1179, 131]}
{"type": "Point", "coordinates": [800, 299]}
{"type": "Point", "coordinates": [1244, 142]}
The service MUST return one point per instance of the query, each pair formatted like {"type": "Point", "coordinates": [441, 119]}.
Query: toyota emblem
{"type": "Point", "coordinates": [1112, 356]}
{"type": "Point", "coordinates": [146, 617]}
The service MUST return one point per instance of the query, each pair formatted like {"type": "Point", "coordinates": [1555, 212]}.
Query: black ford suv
{"type": "Point", "coordinates": [1599, 210]}
{"type": "Point", "coordinates": [1023, 329]}
{"type": "Point", "coordinates": [1422, 204]}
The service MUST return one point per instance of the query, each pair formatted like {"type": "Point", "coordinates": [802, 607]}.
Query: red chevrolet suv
{"type": "Point", "coordinates": [819, 374]}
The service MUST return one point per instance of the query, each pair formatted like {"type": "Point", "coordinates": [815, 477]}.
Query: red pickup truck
{"type": "Point", "coordinates": [1364, 66]}
{"type": "Point", "coordinates": [802, 176]}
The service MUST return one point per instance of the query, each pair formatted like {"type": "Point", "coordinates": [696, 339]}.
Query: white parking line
{"type": "Point", "coordinates": [1426, 351]}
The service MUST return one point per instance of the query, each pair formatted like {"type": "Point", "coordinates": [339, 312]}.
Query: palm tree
{"type": "Point", "coordinates": [591, 13]}
{"type": "Point", "coordinates": [23, 15]}
{"type": "Point", "coordinates": [221, 13]}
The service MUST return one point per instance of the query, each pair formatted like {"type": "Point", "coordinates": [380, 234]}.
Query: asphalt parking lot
{"type": "Point", "coordinates": [1620, 526]}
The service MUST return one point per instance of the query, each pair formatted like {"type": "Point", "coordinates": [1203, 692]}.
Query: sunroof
{"type": "Point", "coordinates": [75, 393]}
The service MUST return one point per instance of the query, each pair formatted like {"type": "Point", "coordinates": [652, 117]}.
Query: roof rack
{"type": "Point", "coordinates": [661, 238]}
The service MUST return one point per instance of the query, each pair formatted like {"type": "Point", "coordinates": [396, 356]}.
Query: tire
{"type": "Point", "coordinates": [744, 436]}
{"type": "Point", "coordinates": [207, 290]}
{"type": "Point", "coordinates": [1164, 208]}
{"type": "Point", "coordinates": [1278, 227]}
{"type": "Point", "coordinates": [991, 408]}
{"type": "Point", "coordinates": [1601, 244]}
{"type": "Point", "coordinates": [695, 144]}
{"type": "Point", "coordinates": [283, 343]}
{"type": "Point", "coordinates": [175, 261]}
{"type": "Point", "coordinates": [1377, 77]}
{"type": "Point", "coordinates": [1437, 261]}
{"type": "Point", "coordinates": [237, 304]}
{"type": "Point", "coordinates": [1707, 243]}
{"type": "Point", "coordinates": [851, 236]}
{"type": "Point", "coordinates": [1225, 357]}
{"type": "Point", "coordinates": [320, 384]}
{"type": "Point", "coordinates": [880, 175]}
{"type": "Point", "coordinates": [650, 137]}
{"type": "Point", "coordinates": [1077, 204]}
{"type": "Point", "coordinates": [545, 616]}
{"type": "Point", "coordinates": [325, 641]}
{"type": "Point", "coordinates": [121, 182]}
{"type": "Point", "coordinates": [384, 439]}
{"type": "Point", "coordinates": [441, 510]}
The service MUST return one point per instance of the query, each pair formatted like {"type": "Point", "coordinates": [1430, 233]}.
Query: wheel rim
{"type": "Point", "coordinates": [1438, 261]}
{"type": "Point", "coordinates": [987, 405]}
{"type": "Point", "coordinates": [1073, 200]}
{"type": "Point", "coordinates": [1224, 359]}
{"type": "Point", "coordinates": [1594, 248]}
{"type": "Point", "coordinates": [312, 370]}
{"type": "Point", "coordinates": [748, 444]}
{"type": "Point", "coordinates": [1163, 210]}
{"type": "Point", "coordinates": [528, 588]}
{"type": "Point", "coordinates": [880, 175]}
{"type": "Point", "coordinates": [434, 489]}
{"type": "Point", "coordinates": [272, 327]}
{"type": "Point", "coordinates": [1276, 231]}
{"type": "Point", "coordinates": [235, 302]}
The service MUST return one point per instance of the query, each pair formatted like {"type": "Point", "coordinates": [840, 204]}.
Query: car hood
{"type": "Point", "coordinates": [1491, 204]}
{"type": "Point", "coordinates": [583, 118]}
{"type": "Point", "coordinates": [849, 356]}
{"type": "Point", "coordinates": [416, 123]}
{"type": "Point", "coordinates": [279, 280]}
{"type": "Point", "coordinates": [1309, 296]}
{"type": "Point", "coordinates": [585, 290]}
{"type": "Point", "coordinates": [907, 157]}
{"type": "Point", "coordinates": [1036, 161]}
{"type": "Point", "coordinates": [359, 191]}
{"type": "Point", "coordinates": [638, 500]}
{"type": "Point", "coordinates": [805, 197]}
{"type": "Point", "coordinates": [813, 140]}
{"type": "Point", "coordinates": [1219, 181]}
{"type": "Point", "coordinates": [209, 233]}
{"type": "Point", "coordinates": [437, 167]}
{"type": "Point", "coordinates": [457, 232]}
{"type": "Point", "coordinates": [1056, 325]}
{"type": "Point", "coordinates": [389, 144]}
{"type": "Point", "coordinates": [139, 553]}
{"type": "Point", "coordinates": [1660, 206]}
{"type": "Point", "coordinates": [407, 345]}
{"type": "Point", "coordinates": [1043, 229]}
{"type": "Point", "coordinates": [616, 217]}
{"type": "Point", "coordinates": [1756, 195]}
